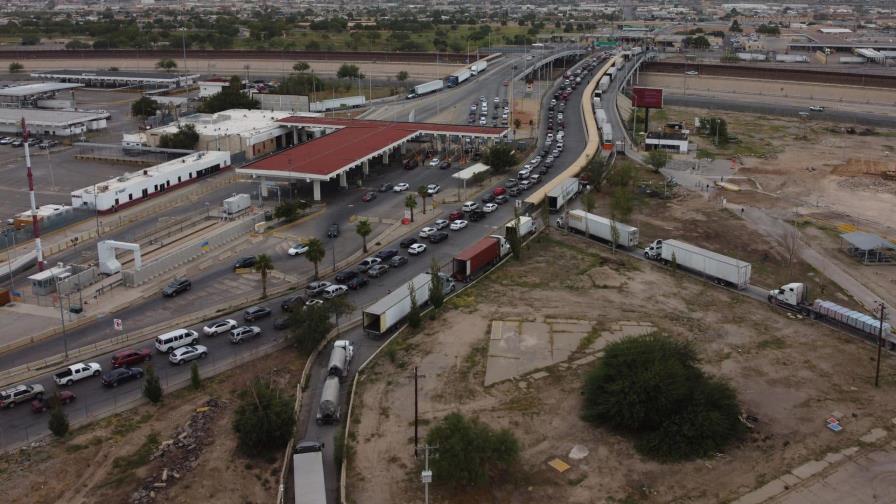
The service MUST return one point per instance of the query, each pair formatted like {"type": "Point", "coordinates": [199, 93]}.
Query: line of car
{"type": "Point", "coordinates": [32, 142]}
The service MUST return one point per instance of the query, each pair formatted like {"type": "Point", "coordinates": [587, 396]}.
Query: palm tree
{"type": "Point", "coordinates": [316, 253]}
{"type": "Point", "coordinates": [423, 192]}
{"type": "Point", "coordinates": [410, 201]}
{"type": "Point", "coordinates": [363, 228]}
{"type": "Point", "coordinates": [263, 264]}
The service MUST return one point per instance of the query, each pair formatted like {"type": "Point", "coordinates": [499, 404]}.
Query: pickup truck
{"type": "Point", "coordinates": [77, 372]}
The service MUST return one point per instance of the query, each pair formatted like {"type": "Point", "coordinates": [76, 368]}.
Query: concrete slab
{"type": "Point", "coordinates": [517, 348]}
{"type": "Point", "coordinates": [539, 375]}
{"type": "Point", "coordinates": [790, 480]}
{"type": "Point", "coordinates": [585, 360]}
{"type": "Point", "coordinates": [810, 469]}
{"type": "Point", "coordinates": [874, 435]}
{"type": "Point", "coordinates": [579, 327]}
{"type": "Point", "coordinates": [868, 479]}
{"type": "Point", "coordinates": [849, 452]}
{"type": "Point", "coordinates": [833, 458]}
{"type": "Point", "coordinates": [762, 494]}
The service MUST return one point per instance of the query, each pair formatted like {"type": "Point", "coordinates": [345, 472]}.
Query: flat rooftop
{"type": "Point", "coordinates": [107, 74]}
{"type": "Point", "coordinates": [198, 158]}
{"type": "Point", "coordinates": [49, 117]}
{"type": "Point", "coordinates": [354, 142]}
{"type": "Point", "coordinates": [231, 122]}
{"type": "Point", "coordinates": [37, 88]}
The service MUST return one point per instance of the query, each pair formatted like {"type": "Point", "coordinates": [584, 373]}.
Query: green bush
{"type": "Point", "coordinates": [58, 422]}
{"type": "Point", "coordinates": [263, 420]}
{"type": "Point", "coordinates": [469, 451]}
{"type": "Point", "coordinates": [650, 388]}
{"type": "Point", "coordinates": [152, 387]}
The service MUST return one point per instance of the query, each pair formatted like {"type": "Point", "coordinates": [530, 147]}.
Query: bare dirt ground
{"type": "Point", "coordinates": [791, 374]}
{"type": "Point", "coordinates": [112, 459]}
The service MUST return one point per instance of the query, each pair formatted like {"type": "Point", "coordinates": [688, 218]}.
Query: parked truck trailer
{"type": "Point", "coordinates": [237, 203]}
{"type": "Point", "coordinates": [721, 269]}
{"type": "Point", "coordinates": [603, 83]}
{"type": "Point", "coordinates": [478, 67]}
{"type": "Point", "coordinates": [526, 227]}
{"type": "Point", "coordinates": [338, 103]}
{"type": "Point", "coordinates": [458, 77]}
{"type": "Point", "coordinates": [479, 257]}
{"type": "Point", "coordinates": [426, 88]}
{"type": "Point", "coordinates": [385, 315]}
{"type": "Point", "coordinates": [565, 191]}
{"type": "Point", "coordinates": [592, 225]}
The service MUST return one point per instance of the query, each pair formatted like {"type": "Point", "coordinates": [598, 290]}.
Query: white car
{"type": "Point", "coordinates": [483, 121]}
{"type": "Point", "coordinates": [433, 189]}
{"type": "Point", "coordinates": [550, 137]}
{"type": "Point", "coordinates": [219, 327]}
{"type": "Point", "coordinates": [187, 353]}
{"type": "Point", "coordinates": [425, 232]}
{"type": "Point", "coordinates": [560, 116]}
{"type": "Point", "coordinates": [692, 72]}
{"type": "Point", "coordinates": [401, 186]}
{"type": "Point", "coordinates": [417, 249]}
{"type": "Point", "coordinates": [434, 161]}
{"type": "Point", "coordinates": [440, 224]}
{"type": "Point", "coordinates": [313, 302]}
{"type": "Point", "coordinates": [335, 291]}
{"type": "Point", "coordinates": [489, 207]}
{"type": "Point", "coordinates": [297, 249]}
{"type": "Point", "coordinates": [497, 100]}
{"type": "Point", "coordinates": [816, 108]}
{"type": "Point", "coordinates": [504, 115]}
{"type": "Point", "coordinates": [469, 206]}
{"type": "Point", "coordinates": [458, 225]}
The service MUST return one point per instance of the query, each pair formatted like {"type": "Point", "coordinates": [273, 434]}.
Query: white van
{"type": "Point", "coordinates": [176, 339]}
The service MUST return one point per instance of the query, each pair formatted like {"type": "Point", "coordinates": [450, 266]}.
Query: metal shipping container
{"type": "Point", "coordinates": [714, 265]}
{"type": "Point", "coordinates": [601, 227]}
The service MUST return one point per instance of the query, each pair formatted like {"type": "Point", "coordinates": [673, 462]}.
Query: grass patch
{"type": "Point", "coordinates": [465, 301]}
{"type": "Point", "coordinates": [773, 343]}
{"type": "Point", "coordinates": [589, 339]}
{"type": "Point", "coordinates": [126, 424]}
{"type": "Point", "coordinates": [123, 467]}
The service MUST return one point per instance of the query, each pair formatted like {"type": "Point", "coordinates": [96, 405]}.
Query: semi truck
{"type": "Point", "coordinates": [426, 88]}
{"type": "Point", "coordinates": [721, 269]}
{"type": "Point", "coordinates": [480, 256]}
{"type": "Point", "coordinates": [795, 297]}
{"type": "Point", "coordinates": [478, 67]}
{"type": "Point", "coordinates": [338, 103]}
{"type": "Point", "coordinates": [527, 226]}
{"type": "Point", "coordinates": [309, 485]}
{"type": "Point", "coordinates": [329, 411]}
{"type": "Point", "coordinates": [603, 83]}
{"type": "Point", "coordinates": [384, 315]}
{"type": "Point", "coordinates": [237, 203]}
{"type": "Point", "coordinates": [340, 358]}
{"type": "Point", "coordinates": [565, 191]}
{"type": "Point", "coordinates": [458, 77]}
{"type": "Point", "coordinates": [592, 225]}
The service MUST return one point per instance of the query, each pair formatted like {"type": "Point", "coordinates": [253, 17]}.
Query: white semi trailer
{"type": "Point", "coordinates": [309, 485]}
{"type": "Point", "coordinates": [721, 269]}
{"type": "Point", "coordinates": [592, 225]}
{"type": "Point", "coordinates": [384, 315]}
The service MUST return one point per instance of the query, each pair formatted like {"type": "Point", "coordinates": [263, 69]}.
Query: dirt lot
{"type": "Point", "coordinates": [791, 374]}
{"type": "Point", "coordinates": [112, 459]}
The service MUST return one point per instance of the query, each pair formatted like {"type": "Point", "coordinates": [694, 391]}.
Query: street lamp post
{"type": "Point", "coordinates": [183, 44]}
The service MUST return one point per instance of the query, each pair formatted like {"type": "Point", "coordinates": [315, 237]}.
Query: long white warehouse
{"type": "Point", "coordinates": [134, 187]}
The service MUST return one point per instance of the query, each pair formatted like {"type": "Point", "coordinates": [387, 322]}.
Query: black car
{"type": "Point", "coordinates": [344, 276]}
{"type": "Point", "coordinates": [386, 187]}
{"type": "Point", "coordinates": [444, 165]}
{"type": "Point", "coordinates": [176, 287]}
{"type": "Point", "coordinates": [121, 375]}
{"type": "Point", "coordinates": [488, 197]}
{"type": "Point", "coordinates": [476, 215]}
{"type": "Point", "coordinates": [245, 262]}
{"type": "Point", "coordinates": [255, 313]}
{"type": "Point", "coordinates": [292, 301]}
{"type": "Point", "coordinates": [407, 242]}
{"type": "Point", "coordinates": [398, 261]}
{"type": "Point", "coordinates": [357, 282]}
{"type": "Point", "coordinates": [333, 231]}
{"type": "Point", "coordinates": [385, 255]}
{"type": "Point", "coordinates": [281, 323]}
{"type": "Point", "coordinates": [438, 236]}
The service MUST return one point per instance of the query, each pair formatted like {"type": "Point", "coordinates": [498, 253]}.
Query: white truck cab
{"type": "Point", "coordinates": [654, 250]}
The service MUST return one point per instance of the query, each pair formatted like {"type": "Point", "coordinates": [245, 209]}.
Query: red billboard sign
{"type": "Point", "coordinates": [648, 97]}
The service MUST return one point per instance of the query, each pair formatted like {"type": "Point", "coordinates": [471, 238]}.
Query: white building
{"type": "Point", "coordinates": [212, 86]}
{"type": "Point", "coordinates": [246, 134]}
{"type": "Point", "coordinates": [132, 188]}
{"type": "Point", "coordinates": [675, 142]}
{"type": "Point", "coordinates": [61, 123]}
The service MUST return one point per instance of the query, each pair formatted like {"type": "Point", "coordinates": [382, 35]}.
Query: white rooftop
{"type": "Point", "coordinates": [37, 88]}
{"type": "Point", "coordinates": [233, 122]}
{"type": "Point", "coordinates": [40, 117]}
{"type": "Point", "coordinates": [123, 180]}
{"type": "Point", "coordinates": [467, 173]}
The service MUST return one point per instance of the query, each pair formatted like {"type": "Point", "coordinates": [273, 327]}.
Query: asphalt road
{"type": "Point", "coordinates": [843, 117]}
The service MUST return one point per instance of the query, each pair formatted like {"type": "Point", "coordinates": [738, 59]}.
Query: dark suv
{"type": "Point", "coordinates": [343, 277]}
{"type": "Point", "coordinates": [244, 262]}
{"type": "Point", "coordinates": [333, 231]}
{"type": "Point", "coordinates": [176, 287]}
{"type": "Point", "coordinates": [294, 300]}
{"type": "Point", "coordinates": [384, 255]}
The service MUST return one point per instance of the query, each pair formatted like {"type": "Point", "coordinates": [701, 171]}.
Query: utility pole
{"type": "Point", "coordinates": [426, 475]}
{"type": "Point", "coordinates": [416, 410]}
{"type": "Point", "coordinates": [880, 343]}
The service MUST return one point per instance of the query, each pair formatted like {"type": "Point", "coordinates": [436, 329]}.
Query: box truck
{"type": "Point", "coordinates": [565, 191]}
{"type": "Point", "coordinates": [592, 225]}
{"type": "Point", "coordinates": [385, 315]}
{"type": "Point", "coordinates": [721, 269]}
{"type": "Point", "coordinates": [426, 88]}
{"type": "Point", "coordinates": [480, 256]}
{"type": "Point", "coordinates": [237, 203]}
{"type": "Point", "coordinates": [309, 486]}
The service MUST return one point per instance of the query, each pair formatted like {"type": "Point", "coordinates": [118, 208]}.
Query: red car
{"type": "Point", "coordinates": [130, 357]}
{"type": "Point", "coordinates": [368, 197]}
{"type": "Point", "coordinates": [499, 191]}
{"type": "Point", "coordinates": [456, 215]}
{"type": "Point", "coordinates": [43, 404]}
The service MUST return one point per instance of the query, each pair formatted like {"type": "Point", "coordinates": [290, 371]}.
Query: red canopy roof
{"type": "Point", "coordinates": [354, 142]}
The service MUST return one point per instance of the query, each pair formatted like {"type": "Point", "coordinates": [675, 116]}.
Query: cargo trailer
{"type": "Point", "coordinates": [338, 103]}
{"type": "Point", "coordinates": [722, 269]}
{"type": "Point", "coordinates": [595, 226]}
{"type": "Point", "coordinates": [426, 88]}
{"type": "Point", "coordinates": [565, 191]}
{"type": "Point", "coordinates": [386, 314]}
{"type": "Point", "coordinates": [458, 77]}
{"type": "Point", "coordinates": [477, 258]}
{"type": "Point", "coordinates": [309, 486]}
